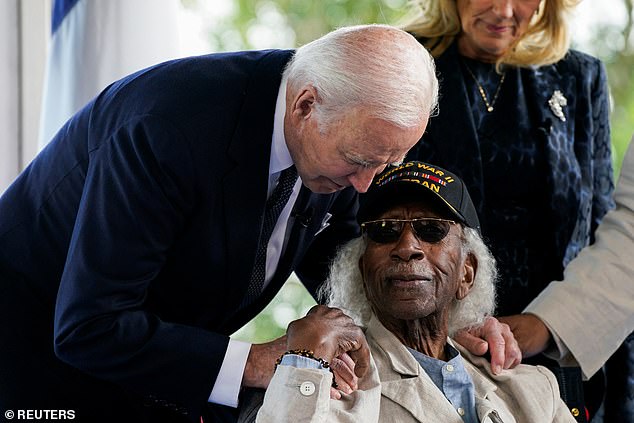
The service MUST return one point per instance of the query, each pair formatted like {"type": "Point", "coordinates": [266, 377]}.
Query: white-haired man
{"type": "Point", "coordinates": [168, 212]}
{"type": "Point", "coordinates": [150, 228]}
{"type": "Point", "coordinates": [419, 273]}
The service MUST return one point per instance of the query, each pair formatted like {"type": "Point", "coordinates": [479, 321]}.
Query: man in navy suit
{"type": "Point", "coordinates": [127, 246]}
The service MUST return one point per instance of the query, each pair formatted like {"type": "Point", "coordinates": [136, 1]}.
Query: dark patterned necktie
{"type": "Point", "coordinates": [274, 206]}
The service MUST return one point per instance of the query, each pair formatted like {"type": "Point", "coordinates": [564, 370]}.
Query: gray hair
{"type": "Point", "coordinates": [376, 66]}
{"type": "Point", "coordinates": [344, 286]}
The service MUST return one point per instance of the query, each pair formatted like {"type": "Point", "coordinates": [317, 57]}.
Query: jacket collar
{"type": "Point", "coordinates": [406, 383]}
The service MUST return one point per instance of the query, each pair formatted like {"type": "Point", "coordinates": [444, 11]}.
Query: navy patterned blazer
{"type": "Point", "coordinates": [144, 213]}
{"type": "Point", "coordinates": [578, 178]}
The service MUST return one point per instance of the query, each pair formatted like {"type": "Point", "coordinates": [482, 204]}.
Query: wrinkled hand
{"type": "Point", "coordinates": [329, 333]}
{"type": "Point", "coordinates": [495, 337]}
{"type": "Point", "coordinates": [531, 333]}
{"type": "Point", "coordinates": [347, 381]}
{"type": "Point", "coordinates": [261, 363]}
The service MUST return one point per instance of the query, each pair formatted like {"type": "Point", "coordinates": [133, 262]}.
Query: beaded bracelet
{"type": "Point", "coordinates": [311, 355]}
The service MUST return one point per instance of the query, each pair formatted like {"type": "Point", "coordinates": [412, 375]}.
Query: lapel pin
{"type": "Point", "coordinates": [556, 102]}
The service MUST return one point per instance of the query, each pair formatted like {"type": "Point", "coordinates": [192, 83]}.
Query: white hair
{"type": "Point", "coordinates": [377, 67]}
{"type": "Point", "coordinates": [344, 287]}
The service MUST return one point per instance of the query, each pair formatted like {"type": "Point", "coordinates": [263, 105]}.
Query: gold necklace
{"type": "Point", "coordinates": [483, 93]}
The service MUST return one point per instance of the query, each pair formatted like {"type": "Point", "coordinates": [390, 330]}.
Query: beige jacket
{"type": "Point", "coordinates": [526, 394]}
{"type": "Point", "coordinates": [592, 310]}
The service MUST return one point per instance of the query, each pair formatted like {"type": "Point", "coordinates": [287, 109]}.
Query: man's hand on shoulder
{"type": "Point", "coordinates": [496, 338]}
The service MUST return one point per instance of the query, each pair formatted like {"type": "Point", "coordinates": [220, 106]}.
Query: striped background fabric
{"type": "Point", "coordinates": [95, 42]}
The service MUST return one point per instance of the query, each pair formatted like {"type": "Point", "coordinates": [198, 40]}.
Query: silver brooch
{"type": "Point", "coordinates": [556, 102]}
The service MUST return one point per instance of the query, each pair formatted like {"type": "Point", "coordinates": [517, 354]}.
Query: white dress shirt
{"type": "Point", "coordinates": [229, 380]}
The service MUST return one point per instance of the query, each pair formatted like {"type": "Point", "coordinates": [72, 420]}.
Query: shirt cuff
{"type": "Point", "coordinates": [301, 362]}
{"type": "Point", "coordinates": [229, 380]}
{"type": "Point", "coordinates": [557, 349]}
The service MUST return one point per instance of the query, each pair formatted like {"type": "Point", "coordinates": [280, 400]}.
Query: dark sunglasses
{"type": "Point", "coordinates": [427, 229]}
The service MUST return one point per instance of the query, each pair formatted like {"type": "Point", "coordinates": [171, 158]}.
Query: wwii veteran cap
{"type": "Point", "coordinates": [414, 180]}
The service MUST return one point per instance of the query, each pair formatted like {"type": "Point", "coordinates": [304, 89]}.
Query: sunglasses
{"type": "Point", "coordinates": [427, 229]}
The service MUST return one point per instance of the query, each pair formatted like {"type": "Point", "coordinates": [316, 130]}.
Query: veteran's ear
{"type": "Point", "coordinates": [470, 268]}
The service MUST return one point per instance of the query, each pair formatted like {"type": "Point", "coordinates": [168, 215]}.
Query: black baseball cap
{"type": "Point", "coordinates": [417, 180]}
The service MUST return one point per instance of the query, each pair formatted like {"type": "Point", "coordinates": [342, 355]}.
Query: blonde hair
{"type": "Point", "coordinates": [546, 40]}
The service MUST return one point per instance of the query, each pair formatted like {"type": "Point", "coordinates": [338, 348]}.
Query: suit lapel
{"type": "Point", "coordinates": [404, 382]}
{"type": "Point", "coordinates": [300, 234]}
{"type": "Point", "coordinates": [483, 389]}
{"type": "Point", "coordinates": [421, 398]}
{"type": "Point", "coordinates": [302, 209]}
{"type": "Point", "coordinates": [479, 368]}
{"type": "Point", "coordinates": [541, 84]}
{"type": "Point", "coordinates": [305, 222]}
{"type": "Point", "coordinates": [245, 186]}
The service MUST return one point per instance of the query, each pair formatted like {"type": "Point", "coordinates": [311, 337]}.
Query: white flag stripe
{"type": "Point", "coordinates": [98, 42]}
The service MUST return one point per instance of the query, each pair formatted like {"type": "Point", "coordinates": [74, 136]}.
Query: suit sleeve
{"type": "Point", "coordinates": [592, 309]}
{"type": "Point", "coordinates": [139, 187]}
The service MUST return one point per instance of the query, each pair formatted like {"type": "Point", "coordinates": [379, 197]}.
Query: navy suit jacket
{"type": "Point", "coordinates": [145, 211]}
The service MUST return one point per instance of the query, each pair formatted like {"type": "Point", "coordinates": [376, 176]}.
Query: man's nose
{"type": "Point", "coordinates": [362, 178]}
{"type": "Point", "coordinates": [503, 8]}
{"type": "Point", "coordinates": [408, 246]}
